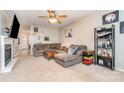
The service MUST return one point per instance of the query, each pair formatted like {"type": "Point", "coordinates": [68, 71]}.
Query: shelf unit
{"type": "Point", "coordinates": [104, 44]}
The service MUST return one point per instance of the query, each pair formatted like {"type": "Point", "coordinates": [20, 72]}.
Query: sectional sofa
{"type": "Point", "coordinates": [39, 48]}
{"type": "Point", "coordinates": [63, 57]}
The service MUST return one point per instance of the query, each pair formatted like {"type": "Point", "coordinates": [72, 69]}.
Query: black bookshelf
{"type": "Point", "coordinates": [104, 44]}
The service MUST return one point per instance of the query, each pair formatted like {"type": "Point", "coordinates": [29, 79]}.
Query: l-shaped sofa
{"type": "Point", "coordinates": [63, 57]}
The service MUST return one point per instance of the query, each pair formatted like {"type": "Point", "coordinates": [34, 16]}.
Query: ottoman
{"type": "Point", "coordinates": [66, 60]}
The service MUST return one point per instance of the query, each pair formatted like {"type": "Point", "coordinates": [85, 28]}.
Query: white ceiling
{"type": "Point", "coordinates": [29, 17]}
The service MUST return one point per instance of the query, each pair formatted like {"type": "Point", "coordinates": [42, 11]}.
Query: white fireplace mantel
{"type": "Point", "coordinates": [4, 40]}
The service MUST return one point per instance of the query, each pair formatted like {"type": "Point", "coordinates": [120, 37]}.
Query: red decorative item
{"type": "Point", "coordinates": [88, 57]}
{"type": "Point", "coordinates": [88, 62]}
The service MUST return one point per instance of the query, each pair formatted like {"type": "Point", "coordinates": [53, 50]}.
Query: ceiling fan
{"type": "Point", "coordinates": [52, 17]}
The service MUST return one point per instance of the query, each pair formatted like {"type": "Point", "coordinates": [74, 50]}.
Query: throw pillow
{"type": "Point", "coordinates": [72, 49]}
{"type": "Point", "coordinates": [78, 52]}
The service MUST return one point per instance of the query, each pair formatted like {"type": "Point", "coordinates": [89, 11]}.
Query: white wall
{"type": "Point", "coordinates": [24, 41]}
{"type": "Point", "coordinates": [119, 41]}
{"type": "Point", "coordinates": [52, 33]}
{"type": "Point", "coordinates": [6, 18]}
{"type": "Point", "coordinates": [5, 21]}
{"type": "Point", "coordinates": [83, 33]}
{"type": "Point", "coordinates": [83, 30]}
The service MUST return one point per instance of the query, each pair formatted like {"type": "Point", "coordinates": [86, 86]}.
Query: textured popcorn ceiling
{"type": "Point", "coordinates": [29, 17]}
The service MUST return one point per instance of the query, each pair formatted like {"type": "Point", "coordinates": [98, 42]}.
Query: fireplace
{"type": "Point", "coordinates": [7, 60]}
{"type": "Point", "coordinates": [8, 54]}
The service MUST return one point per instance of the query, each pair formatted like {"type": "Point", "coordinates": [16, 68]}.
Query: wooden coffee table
{"type": "Point", "coordinates": [49, 54]}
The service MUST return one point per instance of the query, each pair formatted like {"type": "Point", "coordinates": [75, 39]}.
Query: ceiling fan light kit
{"type": "Point", "coordinates": [53, 18]}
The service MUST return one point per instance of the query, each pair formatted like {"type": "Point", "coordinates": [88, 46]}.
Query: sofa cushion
{"type": "Point", "coordinates": [67, 45]}
{"type": "Point", "coordinates": [63, 48]}
{"type": "Point", "coordinates": [59, 51]}
{"type": "Point", "coordinates": [46, 46]}
{"type": "Point", "coordinates": [66, 57]}
{"type": "Point", "coordinates": [53, 46]}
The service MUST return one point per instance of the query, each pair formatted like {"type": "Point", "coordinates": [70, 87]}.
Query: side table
{"type": "Point", "coordinates": [49, 54]}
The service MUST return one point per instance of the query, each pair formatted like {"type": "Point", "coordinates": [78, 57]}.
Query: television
{"type": "Point", "coordinates": [15, 28]}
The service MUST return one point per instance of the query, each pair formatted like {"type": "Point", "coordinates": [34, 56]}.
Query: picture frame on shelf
{"type": "Point", "coordinates": [101, 62]}
{"type": "Point", "coordinates": [110, 17]}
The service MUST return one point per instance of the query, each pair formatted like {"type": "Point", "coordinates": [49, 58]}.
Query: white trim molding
{"type": "Point", "coordinates": [122, 70]}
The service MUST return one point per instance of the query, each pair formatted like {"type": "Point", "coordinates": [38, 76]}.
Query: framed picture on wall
{"type": "Point", "coordinates": [46, 38]}
{"type": "Point", "coordinates": [18, 41]}
{"type": "Point", "coordinates": [110, 17]}
{"type": "Point", "coordinates": [68, 33]}
{"type": "Point", "coordinates": [35, 29]}
{"type": "Point", "coordinates": [122, 27]}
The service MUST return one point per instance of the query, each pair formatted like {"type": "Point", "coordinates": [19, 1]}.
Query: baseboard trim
{"type": "Point", "coordinates": [122, 70]}
{"type": "Point", "coordinates": [17, 54]}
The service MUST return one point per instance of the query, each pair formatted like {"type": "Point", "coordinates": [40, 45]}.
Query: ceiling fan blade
{"type": "Point", "coordinates": [51, 13]}
{"type": "Point", "coordinates": [61, 16]}
{"type": "Point", "coordinates": [43, 16]}
{"type": "Point", "coordinates": [52, 17]}
{"type": "Point", "coordinates": [48, 21]}
{"type": "Point", "coordinates": [59, 22]}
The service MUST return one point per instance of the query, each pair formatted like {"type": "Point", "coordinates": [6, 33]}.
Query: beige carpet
{"type": "Point", "coordinates": [34, 69]}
